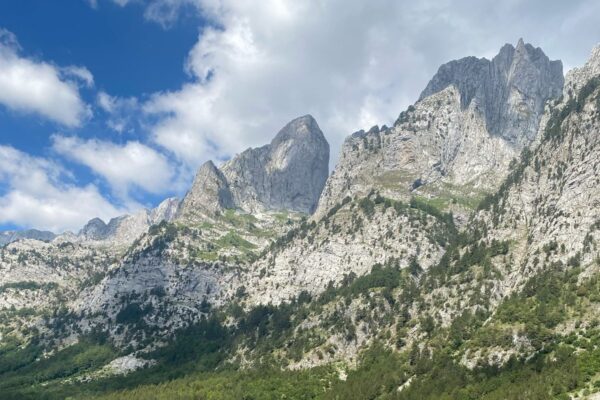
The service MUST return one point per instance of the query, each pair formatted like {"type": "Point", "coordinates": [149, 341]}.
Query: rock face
{"type": "Point", "coordinates": [457, 141]}
{"type": "Point", "coordinates": [578, 77]}
{"type": "Point", "coordinates": [510, 90]}
{"type": "Point", "coordinates": [7, 237]}
{"type": "Point", "coordinates": [209, 194]}
{"type": "Point", "coordinates": [288, 174]}
{"type": "Point", "coordinates": [165, 211]}
{"type": "Point", "coordinates": [554, 196]}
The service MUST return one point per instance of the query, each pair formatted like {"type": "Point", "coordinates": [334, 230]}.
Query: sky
{"type": "Point", "coordinates": [110, 106]}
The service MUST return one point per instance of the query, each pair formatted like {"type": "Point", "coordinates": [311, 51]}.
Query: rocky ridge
{"type": "Point", "coordinates": [7, 237]}
{"type": "Point", "coordinates": [456, 143]}
{"type": "Point", "coordinates": [287, 174]}
{"type": "Point", "coordinates": [381, 260]}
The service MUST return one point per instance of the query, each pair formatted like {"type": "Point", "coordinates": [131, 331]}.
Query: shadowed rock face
{"type": "Point", "coordinates": [287, 174]}
{"type": "Point", "coordinates": [209, 193]}
{"type": "Point", "coordinates": [509, 91]}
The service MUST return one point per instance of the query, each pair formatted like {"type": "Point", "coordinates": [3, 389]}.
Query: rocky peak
{"type": "Point", "coordinates": [287, 174]}
{"type": "Point", "coordinates": [509, 91]}
{"type": "Point", "coordinates": [95, 229]}
{"type": "Point", "coordinates": [209, 193]}
{"type": "Point", "coordinates": [165, 211]}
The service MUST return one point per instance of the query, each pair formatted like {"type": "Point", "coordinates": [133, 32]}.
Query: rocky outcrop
{"type": "Point", "coordinates": [577, 77]}
{"type": "Point", "coordinates": [165, 211]}
{"type": "Point", "coordinates": [554, 191]}
{"type": "Point", "coordinates": [457, 141]}
{"type": "Point", "coordinates": [509, 91]}
{"type": "Point", "coordinates": [209, 194]}
{"type": "Point", "coordinates": [287, 174]}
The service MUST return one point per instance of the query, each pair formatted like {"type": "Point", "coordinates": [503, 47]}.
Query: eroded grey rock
{"type": "Point", "coordinates": [510, 90]}
{"type": "Point", "coordinates": [209, 194]}
{"type": "Point", "coordinates": [287, 174]}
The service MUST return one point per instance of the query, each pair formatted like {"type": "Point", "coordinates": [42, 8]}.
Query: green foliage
{"type": "Point", "coordinates": [517, 169]}
{"type": "Point", "coordinates": [543, 303]}
{"type": "Point", "coordinates": [28, 285]}
{"type": "Point", "coordinates": [232, 239]}
{"type": "Point", "coordinates": [267, 384]}
{"type": "Point", "coordinates": [22, 369]}
{"type": "Point", "coordinates": [388, 276]}
{"type": "Point", "coordinates": [427, 208]}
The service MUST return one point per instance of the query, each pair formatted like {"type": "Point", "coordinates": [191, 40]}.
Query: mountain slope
{"type": "Point", "coordinates": [382, 293]}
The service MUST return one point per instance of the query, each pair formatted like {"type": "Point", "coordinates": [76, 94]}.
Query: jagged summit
{"type": "Point", "coordinates": [459, 138]}
{"type": "Point", "coordinates": [510, 90]}
{"type": "Point", "coordinates": [287, 174]}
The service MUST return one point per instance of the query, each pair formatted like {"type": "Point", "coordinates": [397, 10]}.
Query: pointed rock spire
{"type": "Point", "coordinates": [288, 174]}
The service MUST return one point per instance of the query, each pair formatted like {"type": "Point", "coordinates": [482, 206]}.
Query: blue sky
{"type": "Point", "coordinates": [108, 106]}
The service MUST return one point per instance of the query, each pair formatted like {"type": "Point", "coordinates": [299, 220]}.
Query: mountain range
{"type": "Point", "coordinates": [451, 255]}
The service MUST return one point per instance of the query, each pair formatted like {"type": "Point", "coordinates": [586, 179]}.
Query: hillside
{"type": "Point", "coordinates": [453, 255]}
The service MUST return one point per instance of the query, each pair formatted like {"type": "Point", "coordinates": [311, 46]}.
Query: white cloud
{"type": "Point", "coordinates": [36, 195]}
{"type": "Point", "coordinates": [275, 60]}
{"type": "Point", "coordinates": [125, 167]}
{"type": "Point", "coordinates": [32, 86]}
{"type": "Point", "coordinates": [349, 63]}
{"type": "Point", "coordinates": [80, 73]}
{"type": "Point", "coordinates": [121, 111]}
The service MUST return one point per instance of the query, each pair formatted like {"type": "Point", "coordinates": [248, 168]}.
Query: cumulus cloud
{"type": "Point", "coordinates": [121, 111]}
{"type": "Point", "coordinates": [32, 86]}
{"type": "Point", "coordinates": [126, 167]}
{"type": "Point", "coordinates": [36, 195]}
{"type": "Point", "coordinates": [351, 64]}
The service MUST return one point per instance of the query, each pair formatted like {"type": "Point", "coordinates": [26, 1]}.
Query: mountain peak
{"type": "Point", "coordinates": [95, 229]}
{"type": "Point", "coordinates": [510, 90]}
{"type": "Point", "coordinates": [302, 128]}
{"type": "Point", "coordinates": [287, 174]}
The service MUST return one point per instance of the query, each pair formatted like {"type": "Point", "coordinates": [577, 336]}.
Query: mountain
{"type": "Point", "coordinates": [287, 174]}
{"type": "Point", "coordinates": [457, 141]}
{"type": "Point", "coordinates": [209, 195]}
{"type": "Point", "coordinates": [453, 255]}
{"type": "Point", "coordinates": [125, 229]}
{"type": "Point", "coordinates": [7, 237]}
{"type": "Point", "coordinates": [509, 91]}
